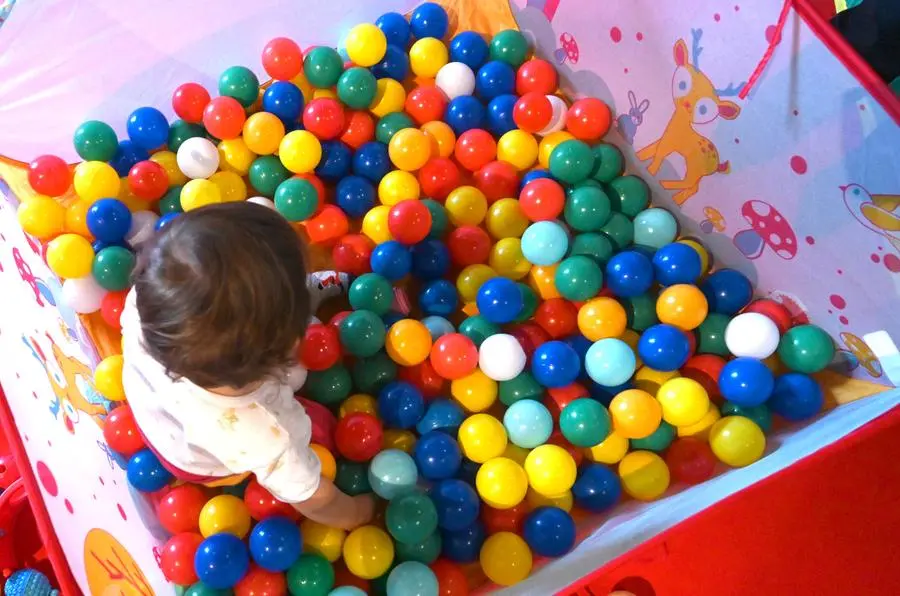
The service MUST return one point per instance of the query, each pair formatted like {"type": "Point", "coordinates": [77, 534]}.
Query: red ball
{"type": "Point", "coordinates": [424, 378]}
{"type": "Point", "coordinates": [358, 436]}
{"type": "Point", "coordinates": [324, 117]}
{"type": "Point", "coordinates": [121, 432]}
{"type": "Point", "coordinates": [453, 356]}
{"type": "Point", "coordinates": [177, 558]}
{"type": "Point", "coordinates": [558, 317]}
{"type": "Point", "coordinates": [351, 254]}
{"type": "Point", "coordinates": [327, 226]}
{"type": "Point", "coordinates": [705, 369]}
{"type": "Point", "coordinates": [497, 180]}
{"type": "Point", "coordinates": [529, 336]}
{"type": "Point", "coordinates": [260, 582]}
{"type": "Point", "coordinates": [588, 119]}
{"type": "Point", "coordinates": [536, 76]}
{"type": "Point", "coordinates": [49, 175]}
{"type": "Point", "coordinates": [438, 177]}
{"type": "Point", "coordinates": [338, 318]}
{"type": "Point", "coordinates": [282, 59]}
{"type": "Point", "coordinates": [690, 460]}
{"type": "Point", "coordinates": [343, 577]}
{"type": "Point", "coordinates": [148, 180]}
{"type": "Point", "coordinates": [323, 422]}
{"type": "Point", "coordinates": [542, 199]}
{"type": "Point", "coordinates": [475, 149]}
{"type": "Point", "coordinates": [533, 112]}
{"type": "Point", "coordinates": [261, 504]}
{"type": "Point", "coordinates": [224, 117]}
{"type": "Point", "coordinates": [189, 101]}
{"type": "Point", "coordinates": [558, 398]}
{"type": "Point", "coordinates": [776, 311]}
{"type": "Point", "coordinates": [451, 578]}
{"type": "Point", "coordinates": [320, 348]}
{"type": "Point", "coordinates": [504, 520]}
{"type": "Point", "coordinates": [359, 129]}
{"type": "Point", "coordinates": [111, 308]}
{"type": "Point", "coordinates": [179, 509]}
{"type": "Point", "coordinates": [468, 245]}
{"type": "Point", "coordinates": [317, 184]}
{"type": "Point", "coordinates": [409, 221]}
{"type": "Point", "coordinates": [425, 103]}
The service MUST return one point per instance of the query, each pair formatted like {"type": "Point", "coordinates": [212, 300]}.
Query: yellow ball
{"type": "Point", "coordinates": [408, 342]}
{"type": "Point", "coordinates": [476, 392]}
{"type": "Point", "coordinates": [224, 514]}
{"type": "Point", "coordinates": [466, 206]}
{"type": "Point", "coordinates": [507, 259]}
{"type": "Point", "coordinates": [70, 256]}
{"type": "Point", "coordinates": [518, 148]}
{"type": "Point", "coordinates": [737, 441]}
{"type": "Point", "coordinates": [131, 200]}
{"type": "Point", "coordinates": [409, 149]}
{"type": "Point", "coordinates": [398, 186]}
{"type": "Point", "coordinates": [700, 250]}
{"type": "Point", "coordinates": [300, 151]}
{"type": "Point", "coordinates": [701, 428]}
{"type": "Point", "coordinates": [505, 558]}
{"type": "Point", "coordinates": [76, 219]}
{"type": "Point", "coordinates": [470, 280]}
{"type": "Point", "coordinates": [325, 94]}
{"type": "Point", "coordinates": [684, 401]}
{"type": "Point", "coordinates": [366, 45]}
{"type": "Point", "coordinates": [389, 97]}
{"type": "Point", "coordinates": [536, 499]}
{"type": "Point", "coordinates": [232, 187]}
{"type": "Point", "coordinates": [441, 138]}
{"type": "Point", "coordinates": [506, 220]}
{"type": "Point", "coordinates": [326, 459]}
{"type": "Point", "coordinates": [368, 552]}
{"type": "Point", "coordinates": [95, 180]}
{"type": "Point", "coordinates": [644, 474]}
{"type": "Point", "coordinates": [551, 470]}
{"type": "Point", "coordinates": [543, 281]}
{"type": "Point", "coordinates": [42, 217]}
{"type": "Point", "coordinates": [263, 133]}
{"type": "Point", "coordinates": [199, 192]}
{"type": "Point", "coordinates": [650, 380]}
{"type": "Point", "coordinates": [427, 56]}
{"type": "Point", "coordinates": [235, 156]}
{"type": "Point", "coordinates": [549, 143]}
{"type": "Point", "coordinates": [108, 378]}
{"type": "Point", "coordinates": [501, 483]}
{"type": "Point", "coordinates": [482, 437]}
{"type": "Point", "coordinates": [168, 161]}
{"type": "Point", "coordinates": [322, 540]}
{"type": "Point", "coordinates": [305, 87]}
{"type": "Point", "coordinates": [611, 450]}
{"type": "Point", "coordinates": [375, 224]}
{"type": "Point", "coordinates": [358, 403]}
{"type": "Point", "coordinates": [395, 438]}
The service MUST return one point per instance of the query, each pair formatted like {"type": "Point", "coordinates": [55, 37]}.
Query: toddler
{"type": "Point", "coordinates": [210, 330]}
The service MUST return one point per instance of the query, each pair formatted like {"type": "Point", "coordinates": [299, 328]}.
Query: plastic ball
{"type": "Point", "coordinates": [469, 48]}
{"type": "Point", "coordinates": [501, 483]}
{"type": "Point", "coordinates": [510, 46]}
{"type": "Point", "coordinates": [806, 349]}
{"type": "Point", "coordinates": [409, 221]}
{"type": "Point", "coordinates": [676, 263]}
{"type": "Point", "coordinates": [664, 347]}
{"type": "Point", "coordinates": [409, 149]}
{"type": "Point", "coordinates": [408, 342]}
{"type": "Point", "coordinates": [322, 540]}
{"type": "Point", "coordinates": [429, 19]}
{"type": "Point", "coordinates": [146, 473]}
{"type": "Point", "coordinates": [112, 268]}
{"type": "Point", "coordinates": [571, 162]}
{"type": "Point", "coordinates": [727, 291]}
{"type": "Point", "coordinates": [645, 475]}
{"type": "Point", "coordinates": [70, 256]}
{"type": "Point", "coordinates": [501, 357]}
{"type": "Point", "coordinates": [587, 208]}
{"type": "Point", "coordinates": [737, 441]}
{"type": "Point", "coordinates": [259, 502]}
{"type": "Point", "coordinates": [198, 158]}
{"type": "Point", "coordinates": [482, 437]}
{"type": "Point", "coordinates": [322, 67]}
{"type": "Point", "coordinates": [456, 504]}
{"type": "Point", "coordinates": [578, 278]}
{"type": "Point", "coordinates": [395, 28]}
{"type": "Point", "coordinates": [555, 364]}
{"type": "Point", "coordinates": [427, 56]}
{"type": "Point", "coordinates": [95, 180]}
{"type": "Point", "coordinates": [455, 79]}
{"type": "Point", "coordinates": [368, 552]}
{"type": "Point", "coordinates": [224, 117]}
{"type": "Point", "coordinates": [500, 300]}
{"type": "Point", "coordinates": [398, 186]}
{"type": "Point", "coordinates": [528, 423]}
{"type": "Point", "coordinates": [366, 44]}
{"type": "Point", "coordinates": [505, 558]}
{"type": "Point", "coordinates": [536, 75]}
{"type": "Point", "coordinates": [358, 437]}
{"type": "Point", "coordinates": [462, 546]}
{"type": "Point", "coordinates": [108, 378]}
{"type": "Point", "coordinates": [392, 473]}
{"type": "Point", "coordinates": [431, 260]}
{"type": "Point", "coordinates": [654, 228]}
{"type": "Point", "coordinates": [682, 305]}
{"type": "Point", "coordinates": [147, 128]}
{"type": "Point", "coordinates": [389, 99]}
{"type": "Point", "coordinates": [176, 559]}
{"type": "Point", "coordinates": [746, 382]}
{"type": "Point", "coordinates": [311, 574]}
{"type": "Point", "coordinates": [500, 114]}
{"type": "Point", "coordinates": [475, 148]}
{"type": "Point", "coordinates": [412, 577]}
{"type": "Point", "coordinates": [584, 422]}
{"type": "Point", "coordinates": [796, 397]}
{"type": "Point", "coordinates": [439, 176]}
{"type": "Point", "coordinates": [224, 513]}
{"type": "Point", "coordinates": [507, 259]}
{"type": "Point", "coordinates": [221, 561]}
{"type": "Point", "coordinates": [240, 83]}
{"type": "Point", "coordinates": [597, 488]}
{"type": "Point", "coordinates": [518, 148]}
{"type": "Point", "coordinates": [690, 461]}
{"type": "Point", "coordinates": [544, 243]}
{"type": "Point", "coordinates": [83, 295]}
{"type": "Point", "coordinates": [468, 245]}
{"type": "Point", "coordinates": [321, 348]}
{"type": "Point", "coordinates": [610, 362]}
{"type": "Point", "coordinates": [476, 392]}
{"type": "Point", "coordinates": [773, 310]}
{"type": "Point", "coordinates": [275, 543]}
{"type": "Point", "coordinates": [121, 433]}
{"type": "Point", "coordinates": [683, 401]}
{"type": "Point", "coordinates": [94, 141]}
{"type": "Point", "coordinates": [394, 65]}
{"type": "Point", "coordinates": [551, 470]}
{"type": "Point", "coordinates": [454, 356]}
{"type": "Point", "coordinates": [437, 455]}
{"type": "Point", "coordinates": [391, 260]}
{"type": "Point", "coordinates": [549, 531]}
{"type": "Point", "coordinates": [466, 205]}
{"type": "Point", "coordinates": [542, 199]}
{"type": "Point", "coordinates": [601, 318]}
{"type": "Point", "coordinates": [282, 59]}
{"type": "Point", "coordinates": [629, 274]}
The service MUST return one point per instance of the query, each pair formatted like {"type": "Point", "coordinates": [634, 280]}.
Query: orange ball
{"type": "Point", "coordinates": [602, 318]}
{"type": "Point", "coordinates": [326, 458]}
{"type": "Point", "coordinates": [635, 414]}
{"type": "Point", "coordinates": [408, 342]}
{"type": "Point", "coordinates": [682, 305]}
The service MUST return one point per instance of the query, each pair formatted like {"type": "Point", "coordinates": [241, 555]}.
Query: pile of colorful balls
{"type": "Point", "coordinates": [562, 345]}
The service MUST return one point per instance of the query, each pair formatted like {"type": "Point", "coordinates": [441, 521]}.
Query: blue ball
{"type": "Point", "coordinates": [676, 263]}
{"type": "Point", "coordinates": [335, 162]}
{"type": "Point", "coordinates": [275, 543]}
{"type": "Point", "coordinates": [495, 79]}
{"type": "Point", "coordinates": [470, 48]}
{"type": "Point", "coordinates": [463, 546]}
{"type": "Point", "coordinates": [796, 397]}
{"type": "Point", "coordinates": [500, 300]}
{"type": "Point", "coordinates": [555, 364]}
{"type": "Point", "coordinates": [442, 414]}
{"type": "Point", "coordinates": [429, 20]}
{"type": "Point", "coordinates": [437, 455]}
{"type": "Point", "coordinates": [284, 99]}
{"type": "Point", "coordinates": [346, 591]}
{"type": "Point", "coordinates": [109, 220]}
{"type": "Point", "coordinates": [392, 473]}
{"type": "Point", "coordinates": [535, 174]}
{"type": "Point", "coordinates": [371, 161]}
{"type": "Point", "coordinates": [391, 260]}
{"type": "Point", "coordinates": [146, 473]}
{"type": "Point", "coordinates": [549, 531]}
{"type": "Point", "coordinates": [431, 259]}
{"type": "Point", "coordinates": [400, 405]}
{"type": "Point", "coordinates": [394, 65]}
{"type": "Point", "coordinates": [164, 220]}
{"type": "Point", "coordinates": [629, 274]}
{"type": "Point", "coordinates": [610, 362]}
{"type": "Point", "coordinates": [580, 344]}
{"type": "Point", "coordinates": [545, 243]}
{"type": "Point", "coordinates": [528, 423]}
{"type": "Point", "coordinates": [438, 326]}
{"type": "Point", "coordinates": [147, 128]}
{"type": "Point", "coordinates": [468, 471]}
{"type": "Point", "coordinates": [727, 291]}
{"type": "Point", "coordinates": [597, 488]}
{"type": "Point", "coordinates": [221, 561]}
{"type": "Point", "coordinates": [664, 347]}
{"type": "Point", "coordinates": [127, 154]}
{"type": "Point", "coordinates": [355, 195]}
{"type": "Point", "coordinates": [392, 317]}
{"type": "Point", "coordinates": [439, 298]}
{"type": "Point", "coordinates": [395, 28]}
{"type": "Point", "coordinates": [411, 578]}
{"type": "Point", "coordinates": [457, 504]}
{"type": "Point", "coordinates": [500, 115]}
{"type": "Point", "coordinates": [464, 113]}
{"type": "Point", "coordinates": [746, 382]}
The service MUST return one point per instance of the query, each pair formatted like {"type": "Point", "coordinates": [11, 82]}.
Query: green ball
{"type": "Point", "coordinates": [619, 230]}
{"type": "Point", "coordinates": [759, 414]}
{"type": "Point", "coordinates": [357, 87]}
{"type": "Point", "coordinates": [330, 386]}
{"type": "Point", "coordinates": [171, 201]}
{"type": "Point", "coordinates": [439, 220]}
{"type": "Point", "coordinates": [391, 124]}
{"type": "Point", "coordinates": [180, 131]}
{"type": "Point", "coordinates": [529, 303]}
{"type": "Point", "coordinates": [658, 440]}
{"type": "Point", "coordinates": [578, 278]}
{"type": "Point", "coordinates": [266, 173]}
{"type": "Point", "coordinates": [608, 163]}
{"type": "Point", "coordinates": [478, 329]}
{"type": "Point", "coordinates": [240, 83]}
{"type": "Point", "coordinates": [640, 312]}
{"type": "Point", "coordinates": [711, 335]}
{"type": "Point", "coordinates": [584, 422]}
{"type": "Point", "coordinates": [371, 374]}
{"type": "Point", "coordinates": [629, 195]}
{"type": "Point", "coordinates": [371, 291]}
{"type": "Point", "coordinates": [352, 477]}
{"type": "Point", "coordinates": [296, 199]}
{"type": "Point", "coordinates": [806, 349]}
{"type": "Point", "coordinates": [590, 244]}
{"type": "Point", "coordinates": [201, 589]}
{"type": "Point", "coordinates": [425, 552]}
{"type": "Point", "coordinates": [522, 386]}
{"type": "Point", "coordinates": [323, 67]}
{"type": "Point", "coordinates": [311, 575]}
{"type": "Point", "coordinates": [587, 208]}
{"type": "Point", "coordinates": [571, 161]}
{"type": "Point", "coordinates": [112, 268]}
{"type": "Point", "coordinates": [509, 46]}
{"type": "Point", "coordinates": [95, 141]}
{"type": "Point", "coordinates": [236, 490]}
{"type": "Point", "coordinates": [412, 518]}
{"type": "Point", "coordinates": [362, 333]}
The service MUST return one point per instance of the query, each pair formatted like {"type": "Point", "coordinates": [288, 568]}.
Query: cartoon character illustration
{"type": "Point", "coordinates": [857, 354]}
{"type": "Point", "coordinates": [714, 221]}
{"type": "Point", "coordinates": [629, 123]}
{"type": "Point", "coordinates": [879, 213]}
{"type": "Point", "coordinates": [768, 228]}
{"type": "Point", "coordinates": [41, 292]}
{"type": "Point", "coordinates": [548, 7]}
{"type": "Point", "coordinates": [696, 101]}
{"type": "Point", "coordinates": [111, 569]}
{"type": "Point", "coordinates": [567, 50]}
{"type": "Point", "coordinates": [798, 310]}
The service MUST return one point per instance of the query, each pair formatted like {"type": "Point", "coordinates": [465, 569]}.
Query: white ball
{"type": "Point", "coordinates": [753, 335]}
{"type": "Point", "coordinates": [142, 227]}
{"type": "Point", "coordinates": [83, 295]}
{"type": "Point", "coordinates": [501, 357]}
{"type": "Point", "coordinates": [455, 79]}
{"type": "Point", "coordinates": [558, 120]}
{"type": "Point", "coordinates": [265, 202]}
{"type": "Point", "coordinates": [295, 377]}
{"type": "Point", "coordinates": [198, 158]}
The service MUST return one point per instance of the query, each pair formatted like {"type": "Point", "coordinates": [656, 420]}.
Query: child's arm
{"type": "Point", "coordinates": [332, 507]}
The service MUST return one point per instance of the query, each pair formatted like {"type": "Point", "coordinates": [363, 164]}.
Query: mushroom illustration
{"type": "Point", "coordinates": [863, 354]}
{"type": "Point", "coordinates": [767, 228]}
{"type": "Point", "coordinates": [568, 49]}
{"type": "Point", "coordinates": [798, 310]}
{"type": "Point", "coordinates": [714, 221]}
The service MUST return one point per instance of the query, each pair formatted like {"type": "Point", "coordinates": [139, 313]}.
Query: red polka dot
{"type": "Point", "coordinates": [49, 444]}
{"type": "Point", "coordinates": [615, 34]}
{"type": "Point", "coordinates": [737, 141]}
{"type": "Point", "coordinates": [862, 107]}
{"type": "Point", "coordinates": [717, 17]}
{"type": "Point", "coordinates": [796, 112]}
{"type": "Point", "coordinates": [626, 71]}
{"type": "Point", "coordinates": [94, 497]}
{"type": "Point", "coordinates": [892, 262]}
{"type": "Point", "coordinates": [102, 482]}
{"type": "Point", "coordinates": [69, 507]}
{"type": "Point", "coordinates": [34, 394]}
{"type": "Point", "coordinates": [639, 36]}
{"type": "Point", "coordinates": [121, 512]}
{"type": "Point", "coordinates": [798, 164]}
{"type": "Point", "coordinates": [875, 258]}
{"type": "Point", "coordinates": [47, 479]}
{"type": "Point", "coordinates": [838, 301]}
{"type": "Point", "coordinates": [26, 438]}
{"type": "Point", "coordinates": [737, 8]}
{"type": "Point", "coordinates": [844, 320]}
{"type": "Point", "coordinates": [831, 312]}
{"type": "Point", "coordinates": [840, 271]}
{"type": "Point", "coordinates": [810, 240]}
{"type": "Point", "coordinates": [880, 248]}
{"type": "Point", "coordinates": [770, 33]}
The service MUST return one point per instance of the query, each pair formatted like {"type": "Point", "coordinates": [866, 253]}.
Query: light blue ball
{"type": "Point", "coordinates": [528, 423]}
{"type": "Point", "coordinates": [438, 326]}
{"type": "Point", "coordinates": [610, 362]}
{"type": "Point", "coordinates": [346, 591]}
{"type": "Point", "coordinates": [412, 579]}
{"type": "Point", "coordinates": [655, 228]}
{"type": "Point", "coordinates": [545, 243]}
{"type": "Point", "coordinates": [393, 473]}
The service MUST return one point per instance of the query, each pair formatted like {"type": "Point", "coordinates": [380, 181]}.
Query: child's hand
{"type": "Point", "coordinates": [365, 509]}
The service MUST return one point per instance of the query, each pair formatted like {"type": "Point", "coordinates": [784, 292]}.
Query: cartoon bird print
{"type": "Point", "coordinates": [879, 213]}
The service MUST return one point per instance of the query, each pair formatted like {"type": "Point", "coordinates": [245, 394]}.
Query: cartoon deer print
{"type": "Point", "coordinates": [696, 102]}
